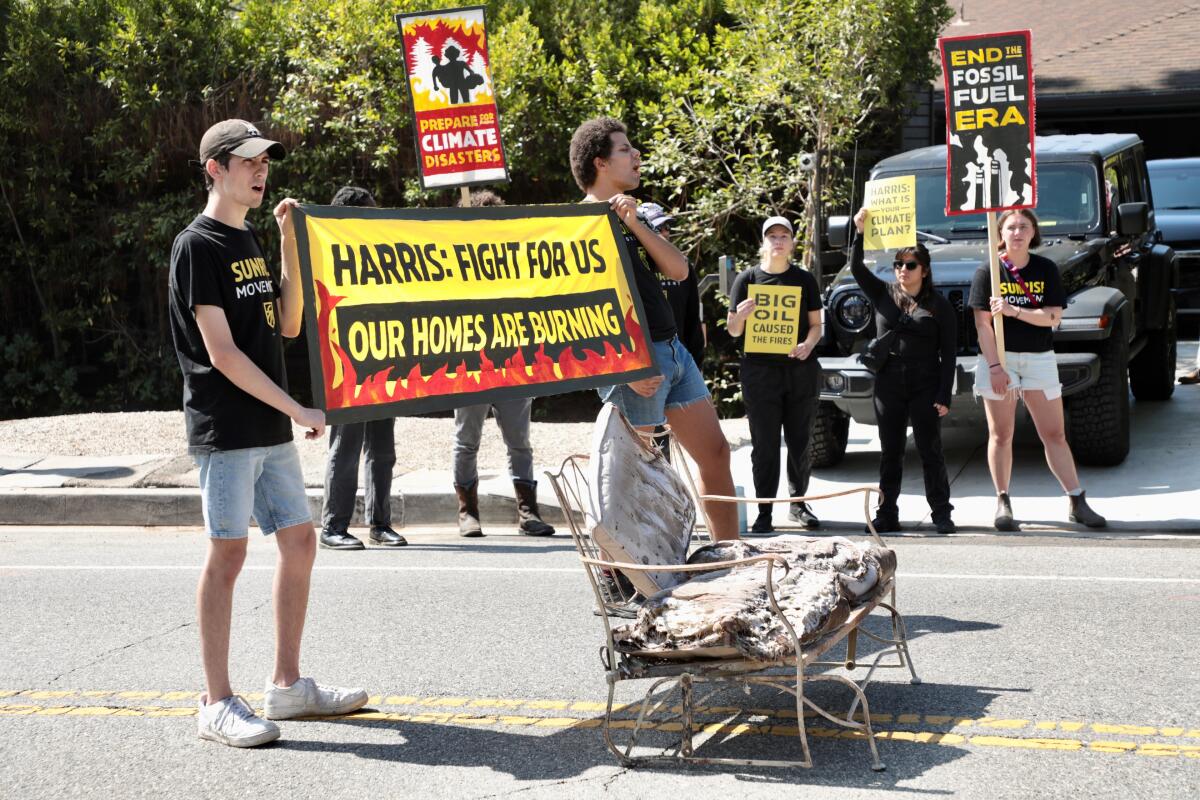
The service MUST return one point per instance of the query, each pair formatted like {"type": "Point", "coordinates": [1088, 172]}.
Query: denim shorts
{"type": "Point", "coordinates": [682, 385]}
{"type": "Point", "coordinates": [1026, 372]}
{"type": "Point", "coordinates": [267, 481]}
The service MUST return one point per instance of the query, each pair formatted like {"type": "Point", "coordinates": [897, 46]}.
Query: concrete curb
{"type": "Point", "coordinates": [181, 507]}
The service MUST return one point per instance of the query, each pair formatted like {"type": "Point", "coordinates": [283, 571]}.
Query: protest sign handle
{"type": "Point", "coordinates": [994, 271]}
{"type": "Point", "coordinates": [465, 194]}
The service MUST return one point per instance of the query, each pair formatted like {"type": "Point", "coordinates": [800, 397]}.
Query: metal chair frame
{"type": "Point", "coordinates": [787, 675]}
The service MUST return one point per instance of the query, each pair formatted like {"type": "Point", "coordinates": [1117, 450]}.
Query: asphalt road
{"type": "Point", "coordinates": [1052, 667]}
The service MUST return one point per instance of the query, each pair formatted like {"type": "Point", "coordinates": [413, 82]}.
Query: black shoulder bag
{"type": "Point", "coordinates": [875, 355]}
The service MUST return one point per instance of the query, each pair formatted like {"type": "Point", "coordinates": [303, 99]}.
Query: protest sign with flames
{"type": "Point", "coordinates": [454, 103]}
{"type": "Point", "coordinates": [415, 310]}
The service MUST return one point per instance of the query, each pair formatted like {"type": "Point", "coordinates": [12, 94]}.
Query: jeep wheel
{"type": "Point", "coordinates": [1152, 372]}
{"type": "Point", "coordinates": [1098, 418]}
{"type": "Point", "coordinates": [831, 432]}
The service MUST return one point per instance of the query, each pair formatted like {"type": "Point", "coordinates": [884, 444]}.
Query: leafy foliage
{"type": "Point", "coordinates": [102, 103]}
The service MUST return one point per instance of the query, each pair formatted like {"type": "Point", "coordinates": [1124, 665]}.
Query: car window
{"type": "Point", "coordinates": [1068, 201]}
{"type": "Point", "coordinates": [1114, 189]}
{"type": "Point", "coordinates": [1132, 188]}
{"type": "Point", "coordinates": [1175, 187]}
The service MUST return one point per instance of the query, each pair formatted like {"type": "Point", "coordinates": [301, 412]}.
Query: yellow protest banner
{"type": "Point", "coordinates": [891, 206]}
{"type": "Point", "coordinates": [415, 310]}
{"type": "Point", "coordinates": [774, 327]}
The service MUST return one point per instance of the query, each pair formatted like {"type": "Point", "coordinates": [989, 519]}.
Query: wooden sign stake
{"type": "Point", "coordinates": [994, 261]}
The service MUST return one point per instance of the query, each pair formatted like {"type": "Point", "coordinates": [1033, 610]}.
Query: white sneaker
{"type": "Point", "coordinates": [305, 698]}
{"type": "Point", "coordinates": [231, 721]}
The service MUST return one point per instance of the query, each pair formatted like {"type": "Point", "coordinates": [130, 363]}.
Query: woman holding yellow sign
{"type": "Point", "coordinates": [777, 306]}
{"type": "Point", "coordinates": [914, 380]}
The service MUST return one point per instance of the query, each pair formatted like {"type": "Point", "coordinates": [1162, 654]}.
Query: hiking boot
{"type": "Point", "coordinates": [384, 536]}
{"type": "Point", "coordinates": [528, 517]}
{"type": "Point", "coordinates": [306, 698]}
{"type": "Point", "coordinates": [763, 523]}
{"type": "Point", "coordinates": [1004, 517]}
{"type": "Point", "coordinates": [231, 721]}
{"type": "Point", "coordinates": [1082, 513]}
{"type": "Point", "coordinates": [339, 540]}
{"type": "Point", "coordinates": [468, 510]}
{"type": "Point", "coordinates": [800, 512]}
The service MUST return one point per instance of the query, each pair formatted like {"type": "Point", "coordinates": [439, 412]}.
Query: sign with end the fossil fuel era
{"type": "Point", "coordinates": [990, 159]}
{"type": "Point", "coordinates": [415, 310]}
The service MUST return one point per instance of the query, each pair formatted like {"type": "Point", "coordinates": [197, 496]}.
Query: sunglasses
{"type": "Point", "coordinates": [906, 264]}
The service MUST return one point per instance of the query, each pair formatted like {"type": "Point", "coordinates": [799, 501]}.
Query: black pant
{"type": "Point", "coordinates": [346, 444]}
{"type": "Point", "coordinates": [780, 396]}
{"type": "Point", "coordinates": [904, 395]}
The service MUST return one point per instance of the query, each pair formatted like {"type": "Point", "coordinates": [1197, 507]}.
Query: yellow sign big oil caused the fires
{"type": "Point", "coordinates": [774, 327]}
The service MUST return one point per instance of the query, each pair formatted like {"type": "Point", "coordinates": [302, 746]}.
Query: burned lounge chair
{"type": "Point", "coordinates": [760, 613]}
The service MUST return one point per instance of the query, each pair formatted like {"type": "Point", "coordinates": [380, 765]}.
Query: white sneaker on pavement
{"type": "Point", "coordinates": [231, 721]}
{"type": "Point", "coordinates": [306, 698]}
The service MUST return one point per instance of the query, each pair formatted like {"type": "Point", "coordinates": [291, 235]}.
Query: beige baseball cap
{"type": "Point", "coordinates": [239, 138]}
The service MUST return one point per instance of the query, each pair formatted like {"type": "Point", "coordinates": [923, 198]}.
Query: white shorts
{"type": "Point", "coordinates": [1026, 372]}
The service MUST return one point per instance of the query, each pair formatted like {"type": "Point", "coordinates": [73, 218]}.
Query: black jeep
{"type": "Point", "coordinates": [1118, 328]}
{"type": "Point", "coordinates": [1176, 184]}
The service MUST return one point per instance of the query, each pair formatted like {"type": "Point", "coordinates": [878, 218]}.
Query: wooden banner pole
{"type": "Point", "coordinates": [993, 260]}
{"type": "Point", "coordinates": [465, 194]}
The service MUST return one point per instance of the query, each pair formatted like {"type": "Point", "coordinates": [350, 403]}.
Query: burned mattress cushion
{"type": "Point", "coordinates": [728, 611]}
{"type": "Point", "coordinates": [641, 511]}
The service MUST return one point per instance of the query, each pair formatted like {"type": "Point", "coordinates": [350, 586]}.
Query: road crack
{"type": "Point", "coordinates": [122, 648]}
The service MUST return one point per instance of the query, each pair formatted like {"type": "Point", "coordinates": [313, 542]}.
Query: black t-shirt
{"type": "Point", "coordinates": [659, 319]}
{"type": "Point", "coordinates": [684, 299]}
{"type": "Point", "coordinates": [1045, 287]}
{"type": "Point", "coordinates": [213, 264]}
{"type": "Point", "coordinates": [810, 300]}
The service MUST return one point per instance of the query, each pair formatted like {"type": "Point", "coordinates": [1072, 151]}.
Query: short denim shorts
{"type": "Point", "coordinates": [682, 385]}
{"type": "Point", "coordinates": [267, 481]}
{"type": "Point", "coordinates": [1026, 372]}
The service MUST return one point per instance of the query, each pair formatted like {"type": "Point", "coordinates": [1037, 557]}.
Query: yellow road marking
{"type": "Point", "coordinates": [956, 723]}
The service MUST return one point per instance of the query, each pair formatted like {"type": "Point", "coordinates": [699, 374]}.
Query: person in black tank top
{"type": "Point", "coordinates": [606, 166]}
{"type": "Point", "coordinates": [916, 383]}
{"type": "Point", "coordinates": [1031, 303]}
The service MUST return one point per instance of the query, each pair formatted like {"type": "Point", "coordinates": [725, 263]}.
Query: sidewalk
{"type": "Point", "coordinates": [1156, 489]}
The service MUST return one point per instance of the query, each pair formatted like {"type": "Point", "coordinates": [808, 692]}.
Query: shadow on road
{"type": "Point", "coordinates": [563, 755]}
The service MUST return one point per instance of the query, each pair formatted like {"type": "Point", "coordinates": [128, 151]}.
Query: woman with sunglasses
{"type": "Point", "coordinates": [1031, 302]}
{"type": "Point", "coordinates": [915, 384]}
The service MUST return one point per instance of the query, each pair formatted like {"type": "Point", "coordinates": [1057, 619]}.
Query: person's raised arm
{"type": "Point", "coordinates": [291, 296]}
{"type": "Point", "coordinates": [871, 284]}
{"type": "Point", "coordinates": [666, 257]}
{"type": "Point", "coordinates": [228, 359]}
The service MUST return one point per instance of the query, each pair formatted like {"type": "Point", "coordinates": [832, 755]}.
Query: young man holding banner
{"type": "Point", "coordinates": [606, 166]}
{"type": "Point", "coordinates": [228, 315]}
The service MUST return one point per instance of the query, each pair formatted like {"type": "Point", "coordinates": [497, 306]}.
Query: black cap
{"type": "Point", "coordinates": [240, 138]}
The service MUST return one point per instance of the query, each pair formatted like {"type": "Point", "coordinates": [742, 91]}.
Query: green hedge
{"type": "Point", "coordinates": [102, 103]}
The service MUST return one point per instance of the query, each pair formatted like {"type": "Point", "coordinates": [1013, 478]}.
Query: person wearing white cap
{"type": "Point", "coordinates": [779, 391]}
{"type": "Point", "coordinates": [228, 316]}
